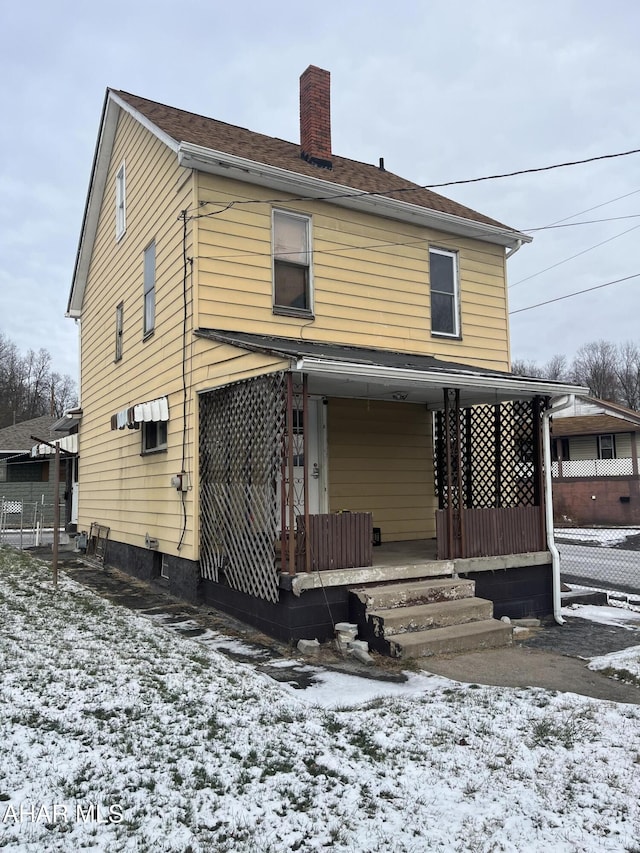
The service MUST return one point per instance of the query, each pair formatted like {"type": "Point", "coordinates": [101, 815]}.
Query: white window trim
{"type": "Point", "coordinates": [285, 309]}
{"type": "Point", "coordinates": [160, 446]}
{"type": "Point", "coordinates": [146, 332]}
{"type": "Point", "coordinates": [457, 333]}
{"type": "Point", "coordinates": [121, 202]}
{"type": "Point", "coordinates": [613, 445]}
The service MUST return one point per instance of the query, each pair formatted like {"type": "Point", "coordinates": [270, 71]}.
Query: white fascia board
{"type": "Point", "coordinates": [441, 379]}
{"type": "Point", "coordinates": [101, 162]}
{"type": "Point", "coordinates": [220, 163]}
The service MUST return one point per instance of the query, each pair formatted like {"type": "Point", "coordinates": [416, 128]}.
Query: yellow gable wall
{"type": "Point", "coordinates": [381, 461]}
{"type": "Point", "coordinates": [130, 493]}
{"type": "Point", "coordinates": [370, 276]}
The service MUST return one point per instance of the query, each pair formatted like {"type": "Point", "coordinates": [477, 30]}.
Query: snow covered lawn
{"type": "Point", "coordinates": [147, 741]}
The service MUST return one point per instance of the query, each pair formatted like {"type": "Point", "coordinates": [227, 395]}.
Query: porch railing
{"type": "Point", "coordinates": [335, 541]}
{"type": "Point", "coordinates": [593, 468]}
{"type": "Point", "coordinates": [489, 532]}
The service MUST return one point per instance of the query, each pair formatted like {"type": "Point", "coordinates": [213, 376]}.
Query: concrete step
{"type": "Point", "coordinates": [473, 636]}
{"type": "Point", "coordinates": [416, 592]}
{"type": "Point", "coordinates": [422, 617]}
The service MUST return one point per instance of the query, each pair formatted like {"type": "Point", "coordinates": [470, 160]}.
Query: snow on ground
{"type": "Point", "coordinates": [621, 617]}
{"type": "Point", "coordinates": [605, 536]}
{"type": "Point", "coordinates": [624, 664]}
{"type": "Point", "coordinates": [182, 749]}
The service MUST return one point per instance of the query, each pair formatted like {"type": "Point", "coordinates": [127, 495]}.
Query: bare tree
{"type": "Point", "coordinates": [28, 387]}
{"type": "Point", "coordinates": [555, 369]}
{"type": "Point", "coordinates": [595, 365]}
{"type": "Point", "coordinates": [628, 374]}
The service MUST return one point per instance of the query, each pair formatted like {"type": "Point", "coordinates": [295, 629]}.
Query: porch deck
{"type": "Point", "coordinates": [408, 560]}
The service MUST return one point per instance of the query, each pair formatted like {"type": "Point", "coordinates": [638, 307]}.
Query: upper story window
{"type": "Point", "coordinates": [606, 447]}
{"type": "Point", "coordinates": [119, 324]}
{"type": "Point", "coordinates": [445, 293]}
{"type": "Point", "coordinates": [149, 288]}
{"type": "Point", "coordinates": [121, 202]}
{"type": "Point", "coordinates": [291, 264]}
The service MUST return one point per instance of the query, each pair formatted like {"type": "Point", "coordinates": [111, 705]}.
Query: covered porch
{"type": "Point", "coordinates": [278, 520]}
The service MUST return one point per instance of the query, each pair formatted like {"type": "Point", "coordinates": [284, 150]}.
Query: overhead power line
{"type": "Point", "coordinates": [575, 293]}
{"type": "Point", "coordinates": [577, 255]}
{"type": "Point", "coordinates": [410, 189]}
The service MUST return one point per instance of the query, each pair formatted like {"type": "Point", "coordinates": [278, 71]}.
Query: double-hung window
{"type": "Point", "coordinates": [445, 293]}
{"type": "Point", "coordinates": [291, 264]}
{"type": "Point", "coordinates": [606, 447]}
{"type": "Point", "coordinates": [149, 288]}
{"type": "Point", "coordinates": [121, 202]}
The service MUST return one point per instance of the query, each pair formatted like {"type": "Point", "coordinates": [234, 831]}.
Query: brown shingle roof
{"type": "Point", "coordinates": [210, 133]}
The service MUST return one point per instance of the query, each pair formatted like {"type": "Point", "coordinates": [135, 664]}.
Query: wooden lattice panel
{"type": "Point", "coordinates": [494, 446]}
{"type": "Point", "coordinates": [241, 441]}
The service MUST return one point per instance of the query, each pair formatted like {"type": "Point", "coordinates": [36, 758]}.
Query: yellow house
{"type": "Point", "coordinates": [288, 356]}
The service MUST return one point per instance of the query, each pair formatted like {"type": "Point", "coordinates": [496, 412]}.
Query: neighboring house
{"type": "Point", "coordinates": [595, 467]}
{"type": "Point", "coordinates": [27, 480]}
{"type": "Point", "coordinates": [272, 334]}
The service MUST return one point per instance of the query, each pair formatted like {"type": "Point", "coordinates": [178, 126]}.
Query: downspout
{"type": "Point", "coordinates": [512, 251]}
{"type": "Point", "coordinates": [564, 403]}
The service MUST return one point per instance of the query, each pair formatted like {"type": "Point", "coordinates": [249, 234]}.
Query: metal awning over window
{"type": "Point", "coordinates": [69, 443]}
{"type": "Point", "coordinates": [133, 416]}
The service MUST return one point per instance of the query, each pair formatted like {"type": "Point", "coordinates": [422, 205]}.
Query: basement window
{"type": "Point", "coordinates": [291, 264]}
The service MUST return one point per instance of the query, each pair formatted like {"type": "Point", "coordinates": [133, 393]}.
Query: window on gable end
{"type": "Point", "coordinates": [292, 264]}
{"type": "Point", "coordinates": [119, 325]}
{"type": "Point", "coordinates": [149, 276]}
{"type": "Point", "coordinates": [121, 202]}
{"type": "Point", "coordinates": [445, 293]}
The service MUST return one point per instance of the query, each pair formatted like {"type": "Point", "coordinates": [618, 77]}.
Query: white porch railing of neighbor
{"type": "Point", "coordinates": [594, 468]}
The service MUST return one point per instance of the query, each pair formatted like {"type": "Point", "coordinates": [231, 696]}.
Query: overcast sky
{"type": "Point", "coordinates": [442, 89]}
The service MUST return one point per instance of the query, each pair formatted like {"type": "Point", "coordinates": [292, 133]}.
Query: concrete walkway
{"type": "Point", "coordinates": [553, 657]}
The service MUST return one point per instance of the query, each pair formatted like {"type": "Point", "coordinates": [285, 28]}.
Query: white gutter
{"type": "Point", "coordinates": [512, 251]}
{"type": "Point", "coordinates": [439, 379]}
{"type": "Point", "coordinates": [548, 502]}
{"type": "Point", "coordinates": [214, 162]}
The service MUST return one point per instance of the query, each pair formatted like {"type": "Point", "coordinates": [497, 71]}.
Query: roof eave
{"type": "Point", "coordinates": [516, 386]}
{"type": "Point", "coordinates": [220, 163]}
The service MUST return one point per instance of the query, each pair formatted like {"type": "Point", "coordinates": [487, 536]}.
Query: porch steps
{"type": "Point", "coordinates": [425, 618]}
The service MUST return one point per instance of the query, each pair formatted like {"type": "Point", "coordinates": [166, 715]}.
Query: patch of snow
{"type": "Point", "coordinates": [623, 663]}
{"type": "Point", "coordinates": [618, 616]}
{"type": "Point", "coordinates": [605, 536]}
{"type": "Point", "coordinates": [182, 748]}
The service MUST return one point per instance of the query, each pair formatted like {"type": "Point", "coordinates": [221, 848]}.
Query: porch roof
{"type": "Point", "coordinates": [348, 371]}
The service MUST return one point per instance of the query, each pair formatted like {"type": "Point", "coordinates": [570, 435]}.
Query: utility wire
{"type": "Point", "coordinates": [576, 293]}
{"type": "Point", "coordinates": [563, 224]}
{"type": "Point", "coordinates": [413, 188]}
{"type": "Point", "coordinates": [577, 255]}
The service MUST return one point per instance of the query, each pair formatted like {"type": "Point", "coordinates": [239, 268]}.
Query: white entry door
{"type": "Point", "coordinates": [316, 444]}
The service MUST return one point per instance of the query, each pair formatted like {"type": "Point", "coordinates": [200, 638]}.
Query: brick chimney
{"type": "Point", "coordinates": [315, 117]}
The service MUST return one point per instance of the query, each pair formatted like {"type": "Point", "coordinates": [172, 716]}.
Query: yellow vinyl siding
{"type": "Point", "coordinates": [370, 278]}
{"type": "Point", "coordinates": [130, 493]}
{"type": "Point", "coordinates": [380, 460]}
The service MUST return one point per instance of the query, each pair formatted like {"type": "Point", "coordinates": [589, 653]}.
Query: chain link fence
{"type": "Point", "coordinates": [26, 524]}
{"type": "Point", "coordinates": [603, 558]}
